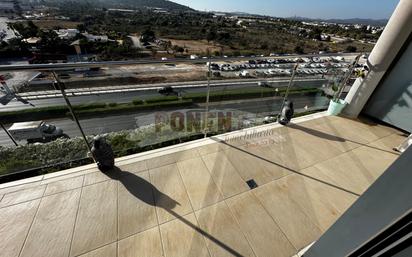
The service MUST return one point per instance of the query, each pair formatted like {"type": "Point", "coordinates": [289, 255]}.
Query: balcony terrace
{"type": "Point", "coordinates": [193, 199]}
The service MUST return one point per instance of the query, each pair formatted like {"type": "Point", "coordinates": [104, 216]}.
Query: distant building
{"type": "Point", "coordinates": [325, 37]}
{"type": "Point", "coordinates": [122, 10]}
{"type": "Point", "coordinates": [67, 33]}
{"type": "Point", "coordinates": [32, 40]}
{"type": "Point", "coordinates": [95, 38]}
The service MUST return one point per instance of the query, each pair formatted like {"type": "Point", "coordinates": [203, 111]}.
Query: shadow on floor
{"type": "Point", "coordinates": [149, 194]}
{"type": "Point", "coordinates": [286, 168]}
{"type": "Point", "coordinates": [330, 137]}
{"type": "Point", "coordinates": [316, 133]}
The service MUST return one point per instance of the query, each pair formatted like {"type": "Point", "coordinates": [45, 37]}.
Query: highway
{"type": "Point", "coordinates": [245, 108]}
{"type": "Point", "coordinates": [149, 91]}
{"type": "Point", "coordinates": [249, 108]}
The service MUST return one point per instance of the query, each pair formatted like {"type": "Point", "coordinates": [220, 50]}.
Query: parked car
{"type": "Point", "coordinates": [168, 90]}
{"type": "Point", "coordinates": [264, 84]}
{"type": "Point", "coordinates": [35, 131]}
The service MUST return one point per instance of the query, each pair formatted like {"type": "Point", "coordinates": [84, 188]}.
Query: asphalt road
{"type": "Point", "coordinates": [144, 93]}
{"type": "Point", "coordinates": [248, 108]}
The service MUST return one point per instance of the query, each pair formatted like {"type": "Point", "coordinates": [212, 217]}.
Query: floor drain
{"type": "Point", "coordinates": [252, 184]}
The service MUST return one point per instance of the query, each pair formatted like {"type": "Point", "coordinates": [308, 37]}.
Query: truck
{"type": "Point", "coordinates": [35, 131]}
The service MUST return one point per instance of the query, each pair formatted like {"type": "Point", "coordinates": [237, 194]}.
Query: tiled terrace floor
{"type": "Point", "coordinates": [193, 200]}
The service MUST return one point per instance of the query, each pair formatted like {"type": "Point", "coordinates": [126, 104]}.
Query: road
{"type": "Point", "coordinates": [151, 91]}
{"type": "Point", "coordinates": [248, 108]}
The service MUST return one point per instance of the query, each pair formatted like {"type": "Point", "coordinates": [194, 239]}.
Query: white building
{"type": "Point", "coordinates": [96, 38]}
{"type": "Point", "coordinates": [67, 33]}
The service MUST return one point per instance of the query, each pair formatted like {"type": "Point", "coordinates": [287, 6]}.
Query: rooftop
{"type": "Point", "coordinates": [193, 200]}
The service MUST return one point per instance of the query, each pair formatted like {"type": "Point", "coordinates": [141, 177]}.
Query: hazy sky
{"type": "Point", "coordinates": [375, 9]}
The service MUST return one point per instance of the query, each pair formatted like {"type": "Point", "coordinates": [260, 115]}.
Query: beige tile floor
{"type": "Point", "coordinates": [195, 201]}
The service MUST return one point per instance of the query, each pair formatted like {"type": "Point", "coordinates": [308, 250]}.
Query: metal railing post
{"type": "Point", "coordinates": [62, 87]}
{"type": "Point", "coordinates": [8, 133]}
{"type": "Point", "coordinates": [346, 79]}
{"type": "Point", "coordinates": [290, 84]}
{"type": "Point", "coordinates": [208, 93]}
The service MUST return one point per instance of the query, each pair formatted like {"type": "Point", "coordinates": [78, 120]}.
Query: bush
{"type": "Point", "coordinates": [137, 101]}
{"type": "Point", "coordinates": [16, 164]}
{"type": "Point", "coordinates": [131, 107]}
{"type": "Point", "coordinates": [112, 104]}
{"type": "Point", "coordinates": [33, 114]}
{"type": "Point", "coordinates": [89, 106]}
{"type": "Point", "coordinates": [303, 91]}
{"type": "Point", "coordinates": [351, 49]}
{"type": "Point", "coordinates": [232, 94]}
{"type": "Point", "coordinates": [162, 99]}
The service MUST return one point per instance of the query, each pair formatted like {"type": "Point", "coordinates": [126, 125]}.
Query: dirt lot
{"type": "Point", "coordinates": [125, 75]}
{"type": "Point", "coordinates": [197, 46]}
{"type": "Point", "coordinates": [180, 72]}
{"type": "Point", "coordinates": [51, 24]}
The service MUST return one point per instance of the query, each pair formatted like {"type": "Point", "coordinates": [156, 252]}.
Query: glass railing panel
{"type": "Point", "coordinates": [38, 132]}
{"type": "Point", "coordinates": [140, 107]}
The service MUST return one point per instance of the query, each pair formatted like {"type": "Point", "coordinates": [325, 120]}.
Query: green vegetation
{"type": "Point", "coordinates": [87, 110]}
{"type": "Point", "coordinates": [137, 101]}
{"type": "Point", "coordinates": [242, 36]}
{"type": "Point", "coordinates": [162, 99]}
{"type": "Point", "coordinates": [31, 156]}
{"type": "Point", "coordinates": [235, 94]}
{"type": "Point", "coordinates": [130, 107]}
{"type": "Point", "coordinates": [303, 91]}
{"type": "Point", "coordinates": [68, 153]}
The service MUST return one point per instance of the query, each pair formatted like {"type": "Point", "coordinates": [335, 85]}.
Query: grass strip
{"type": "Point", "coordinates": [216, 96]}
{"type": "Point", "coordinates": [82, 111]}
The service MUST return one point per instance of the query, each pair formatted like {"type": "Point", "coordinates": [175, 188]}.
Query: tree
{"type": "Point", "coordinates": [299, 49]}
{"type": "Point", "coordinates": [351, 49]}
{"type": "Point", "coordinates": [50, 41]}
{"type": "Point", "coordinates": [26, 30]}
{"type": "Point", "coordinates": [167, 45]}
{"type": "Point", "coordinates": [264, 46]}
{"type": "Point", "coordinates": [81, 27]}
{"type": "Point", "coordinates": [147, 35]}
{"type": "Point", "coordinates": [211, 35]}
{"type": "Point", "coordinates": [315, 34]}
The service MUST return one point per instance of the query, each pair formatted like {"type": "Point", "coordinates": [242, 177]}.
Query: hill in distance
{"type": "Point", "coordinates": [119, 4]}
{"type": "Point", "coordinates": [372, 22]}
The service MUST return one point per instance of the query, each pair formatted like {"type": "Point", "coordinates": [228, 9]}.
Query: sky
{"type": "Point", "coordinates": [324, 9]}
